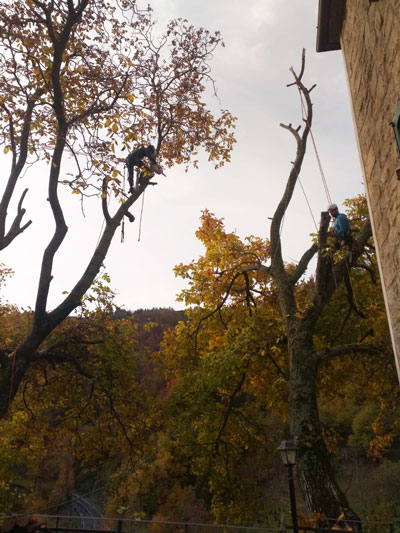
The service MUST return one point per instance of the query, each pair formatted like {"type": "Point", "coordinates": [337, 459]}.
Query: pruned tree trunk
{"type": "Point", "coordinates": [321, 493]}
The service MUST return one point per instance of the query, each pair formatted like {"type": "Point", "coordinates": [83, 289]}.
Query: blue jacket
{"type": "Point", "coordinates": [341, 225]}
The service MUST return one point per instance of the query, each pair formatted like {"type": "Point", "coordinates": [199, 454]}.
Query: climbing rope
{"type": "Point", "coordinates": [304, 116]}
{"type": "Point", "coordinates": [286, 204]}
{"type": "Point", "coordinates": [308, 203]}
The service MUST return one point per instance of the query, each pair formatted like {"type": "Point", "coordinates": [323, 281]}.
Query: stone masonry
{"type": "Point", "coordinates": [370, 41]}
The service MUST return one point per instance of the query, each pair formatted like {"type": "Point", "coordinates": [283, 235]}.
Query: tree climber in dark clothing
{"type": "Point", "coordinates": [135, 159]}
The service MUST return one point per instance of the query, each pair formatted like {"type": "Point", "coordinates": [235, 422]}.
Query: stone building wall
{"type": "Point", "coordinates": [370, 41]}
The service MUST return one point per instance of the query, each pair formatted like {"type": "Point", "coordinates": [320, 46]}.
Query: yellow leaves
{"type": "Point", "coordinates": [215, 342]}
{"type": "Point", "coordinates": [41, 380]}
{"type": "Point", "coordinates": [105, 277]}
{"type": "Point", "coordinates": [7, 149]}
{"type": "Point", "coordinates": [115, 127]}
{"type": "Point", "coordinates": [132, 136]}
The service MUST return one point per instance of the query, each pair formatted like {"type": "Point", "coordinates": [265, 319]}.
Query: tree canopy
{"type": "Point", "coordinates": [88, 80]}
{"type": "Point", "coordinates": [191, 433]}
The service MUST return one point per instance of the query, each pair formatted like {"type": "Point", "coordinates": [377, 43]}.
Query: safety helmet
{"type": "Point", "coordinates": [332, 207]}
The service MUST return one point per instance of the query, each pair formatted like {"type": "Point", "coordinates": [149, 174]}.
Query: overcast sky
{"type": "Point", "coordinates": [263, 39]}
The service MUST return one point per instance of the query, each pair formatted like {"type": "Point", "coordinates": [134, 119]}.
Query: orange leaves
{"type": "Point", "coordinates": [221, 267]}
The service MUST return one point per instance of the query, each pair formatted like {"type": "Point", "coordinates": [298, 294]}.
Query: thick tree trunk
{"type": "Point", "coordinates": [321, 493]}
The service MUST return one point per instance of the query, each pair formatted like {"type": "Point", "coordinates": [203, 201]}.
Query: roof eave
{"type": "Point", "coordinates": [330, 20]}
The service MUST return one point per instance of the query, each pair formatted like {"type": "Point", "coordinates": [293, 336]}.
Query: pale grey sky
{"type": "Point", "coordinates": [263, 39]}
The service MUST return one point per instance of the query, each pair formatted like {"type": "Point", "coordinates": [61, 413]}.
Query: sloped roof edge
{"type": "Point", "coordinates": [330, 20]}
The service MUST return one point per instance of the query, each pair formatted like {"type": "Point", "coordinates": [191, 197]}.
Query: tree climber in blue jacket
{"type": "Point", "coordinates": [342, 236]}
{"type": "Point", "coordinates": [341, 227]}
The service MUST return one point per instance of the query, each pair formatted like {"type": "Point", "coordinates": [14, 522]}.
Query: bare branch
{"type": "Point", "coordinates": [104, 206]}
{"type": "Point", "coordinates": [219, 307]}
{"type": "Point", "coordinates": [347, 349]}
{"type": "Point", "coordinates": [50, 356]}
{"type": "Point", "coordinates": [256, 266]}
{"type": "Point", "coordinates": [303, 64]}
{"type": "Point", "coordinates": [16, 227]}
{"type": "Point", "coordinates": [112, 408]}
{"type": "Point", "coordinates": [303, 264]}
{"type": "Point", "coordinates": [293, 131]}
{"type": "Point", "coordinates": [350, 293]}
{"type": "Point", "coordinates": [369, 269]}
{"type": "Point", "coordinates": [249, 296]}
{"type": "Point", "coordinates": [278, 368]}
{"type": "Point", "coordinates": [48, 352]}
{"type": "Point", "coordinates": [228, 412]}
{"type": "Point", "coordinates": [277, 266]}
{"type": "Point", "coordinates": [18, 163]}
{"type": "Point", "coordinates": [344, 322]}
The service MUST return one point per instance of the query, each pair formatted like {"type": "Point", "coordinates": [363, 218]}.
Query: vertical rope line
{"type": "Point", "coordinates": [304, 116]}
{"type": "Point", "coordinates": [308, 203]}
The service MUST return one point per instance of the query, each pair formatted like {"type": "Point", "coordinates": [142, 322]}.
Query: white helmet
{"type": "Point", "coordinates": [332, 207]}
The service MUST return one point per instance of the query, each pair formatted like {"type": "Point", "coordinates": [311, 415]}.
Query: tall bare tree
{"type": "Point", "coordinates": [322, 494]}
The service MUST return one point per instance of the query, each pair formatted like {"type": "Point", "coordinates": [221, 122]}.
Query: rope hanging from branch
{"type": "Point", "coordinates": [304, 116]}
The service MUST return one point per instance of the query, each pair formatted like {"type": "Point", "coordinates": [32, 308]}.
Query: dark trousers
{"type": "Point", "coordinates": [344, 240]}
{"type": "Point", "coordinates": [131, 163]}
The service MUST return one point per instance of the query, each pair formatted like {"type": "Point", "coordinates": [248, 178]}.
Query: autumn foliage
{"type": "Point", "coordinates": [89, 81]}
{"type": "Point", "coordinates": [190, 432]}
{"type": "Point", "coordinates": [187, 430]}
